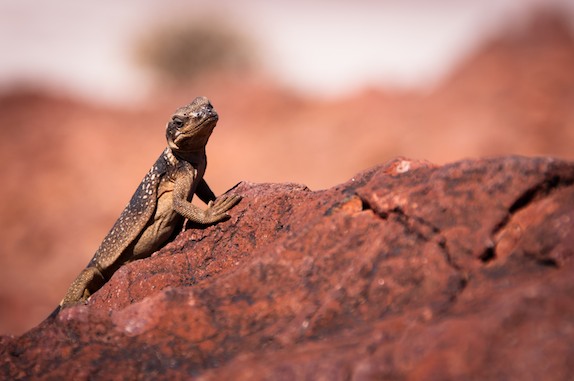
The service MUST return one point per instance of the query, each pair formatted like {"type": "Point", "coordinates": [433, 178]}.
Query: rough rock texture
{"type": "Point", "coordinates": [408, 271]}
{"type": "Point", "coordinates": [62, 159]}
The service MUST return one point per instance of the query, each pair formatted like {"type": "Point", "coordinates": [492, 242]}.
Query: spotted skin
{"type": "Point", "coordinates": [161, 203]}
{"type": "Point", "coordinates": [134, 217]}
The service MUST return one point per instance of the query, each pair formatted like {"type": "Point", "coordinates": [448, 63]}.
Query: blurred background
{"type": "Point", "coordinates": [308, 91]}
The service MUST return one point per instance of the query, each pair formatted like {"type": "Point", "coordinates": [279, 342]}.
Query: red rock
{"type": "Point", "coordinates": [513, 94]}
{"type": "Point", "coordinates": [408, 271]}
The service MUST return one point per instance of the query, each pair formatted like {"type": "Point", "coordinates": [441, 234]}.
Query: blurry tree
{"type": "Point", "coordinates": [183, 51]}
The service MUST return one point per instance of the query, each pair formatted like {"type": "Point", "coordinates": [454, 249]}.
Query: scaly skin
{"type": "Point", "coordinates": [161, 203]}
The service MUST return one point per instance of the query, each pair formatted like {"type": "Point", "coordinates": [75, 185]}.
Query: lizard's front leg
{"type": "Point", "coordinates": [216, 210]}
{"type": "Point", "coordinates": [89, 281]}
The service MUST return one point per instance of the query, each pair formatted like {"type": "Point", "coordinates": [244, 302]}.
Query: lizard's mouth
{"type": "Point", "coordinates": [196, 135]}
{"type": "Point", "coordinates": [206, 125]}
{"type": "Point", "coordinates": [212, 118]}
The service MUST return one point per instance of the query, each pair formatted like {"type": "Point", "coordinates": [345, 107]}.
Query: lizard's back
{"type": "Point", "coordinates": [133, 219]}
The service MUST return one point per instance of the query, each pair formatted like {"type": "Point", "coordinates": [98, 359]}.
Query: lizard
{"type": "Point", "coordinates": [161, 203]}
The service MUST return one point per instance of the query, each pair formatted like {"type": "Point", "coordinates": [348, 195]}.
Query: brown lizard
{"type": "Point", "coordinates": [161, 203]}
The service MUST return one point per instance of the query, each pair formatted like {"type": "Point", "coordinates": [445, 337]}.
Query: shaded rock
{"type": "Point", "coordinates": [408, 271]}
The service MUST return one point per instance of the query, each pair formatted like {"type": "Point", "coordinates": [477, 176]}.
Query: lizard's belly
{"type": "Point", "coordinates": [160, 228]}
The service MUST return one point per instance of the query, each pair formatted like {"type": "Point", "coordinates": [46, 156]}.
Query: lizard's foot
{"type": "Point", "coordinates": [217, 210]}
{"type": "Point", "coordinates": [89, 281]}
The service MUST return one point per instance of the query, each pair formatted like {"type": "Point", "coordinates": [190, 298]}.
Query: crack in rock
{"type": "Point", "coordinates": [537, 192]}
{"type": "Point", "coordinates": [428, 233]}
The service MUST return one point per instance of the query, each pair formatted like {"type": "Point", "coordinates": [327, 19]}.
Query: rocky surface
{"type": "Point", "coordinates": [69, 167]}
{"type": "Point", "coordinates": [408, 271]}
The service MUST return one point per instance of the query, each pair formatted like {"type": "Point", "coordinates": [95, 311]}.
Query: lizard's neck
{"type": "Point", "coordinates": [192, 156]}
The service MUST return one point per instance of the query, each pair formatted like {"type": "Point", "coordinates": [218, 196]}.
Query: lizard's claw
{"type": "Point", "coordinates": [219, 207]}
{"type": "Point", "coordinates": [224, 203]}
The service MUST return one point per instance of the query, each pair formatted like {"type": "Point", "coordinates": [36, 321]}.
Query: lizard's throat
{"type": "Point", "coordinates": [195, 144]}
{"type": "Point", "coordinates": [188, 153]}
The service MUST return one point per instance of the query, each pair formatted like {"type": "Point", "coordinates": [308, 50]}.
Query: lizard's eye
{"type": "Point", "coordinates": [177, 121]}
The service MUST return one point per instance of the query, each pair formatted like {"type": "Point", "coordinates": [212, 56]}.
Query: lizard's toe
{"type": "Point", "coordinates": [224, 203]}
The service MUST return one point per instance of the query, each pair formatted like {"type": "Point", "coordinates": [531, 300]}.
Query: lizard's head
{"type": "Point", "coordinates": [191, 125]}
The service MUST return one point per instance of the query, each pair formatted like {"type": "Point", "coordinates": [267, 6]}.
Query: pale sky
{"type": "Point", "coordinates": [317, 47]}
